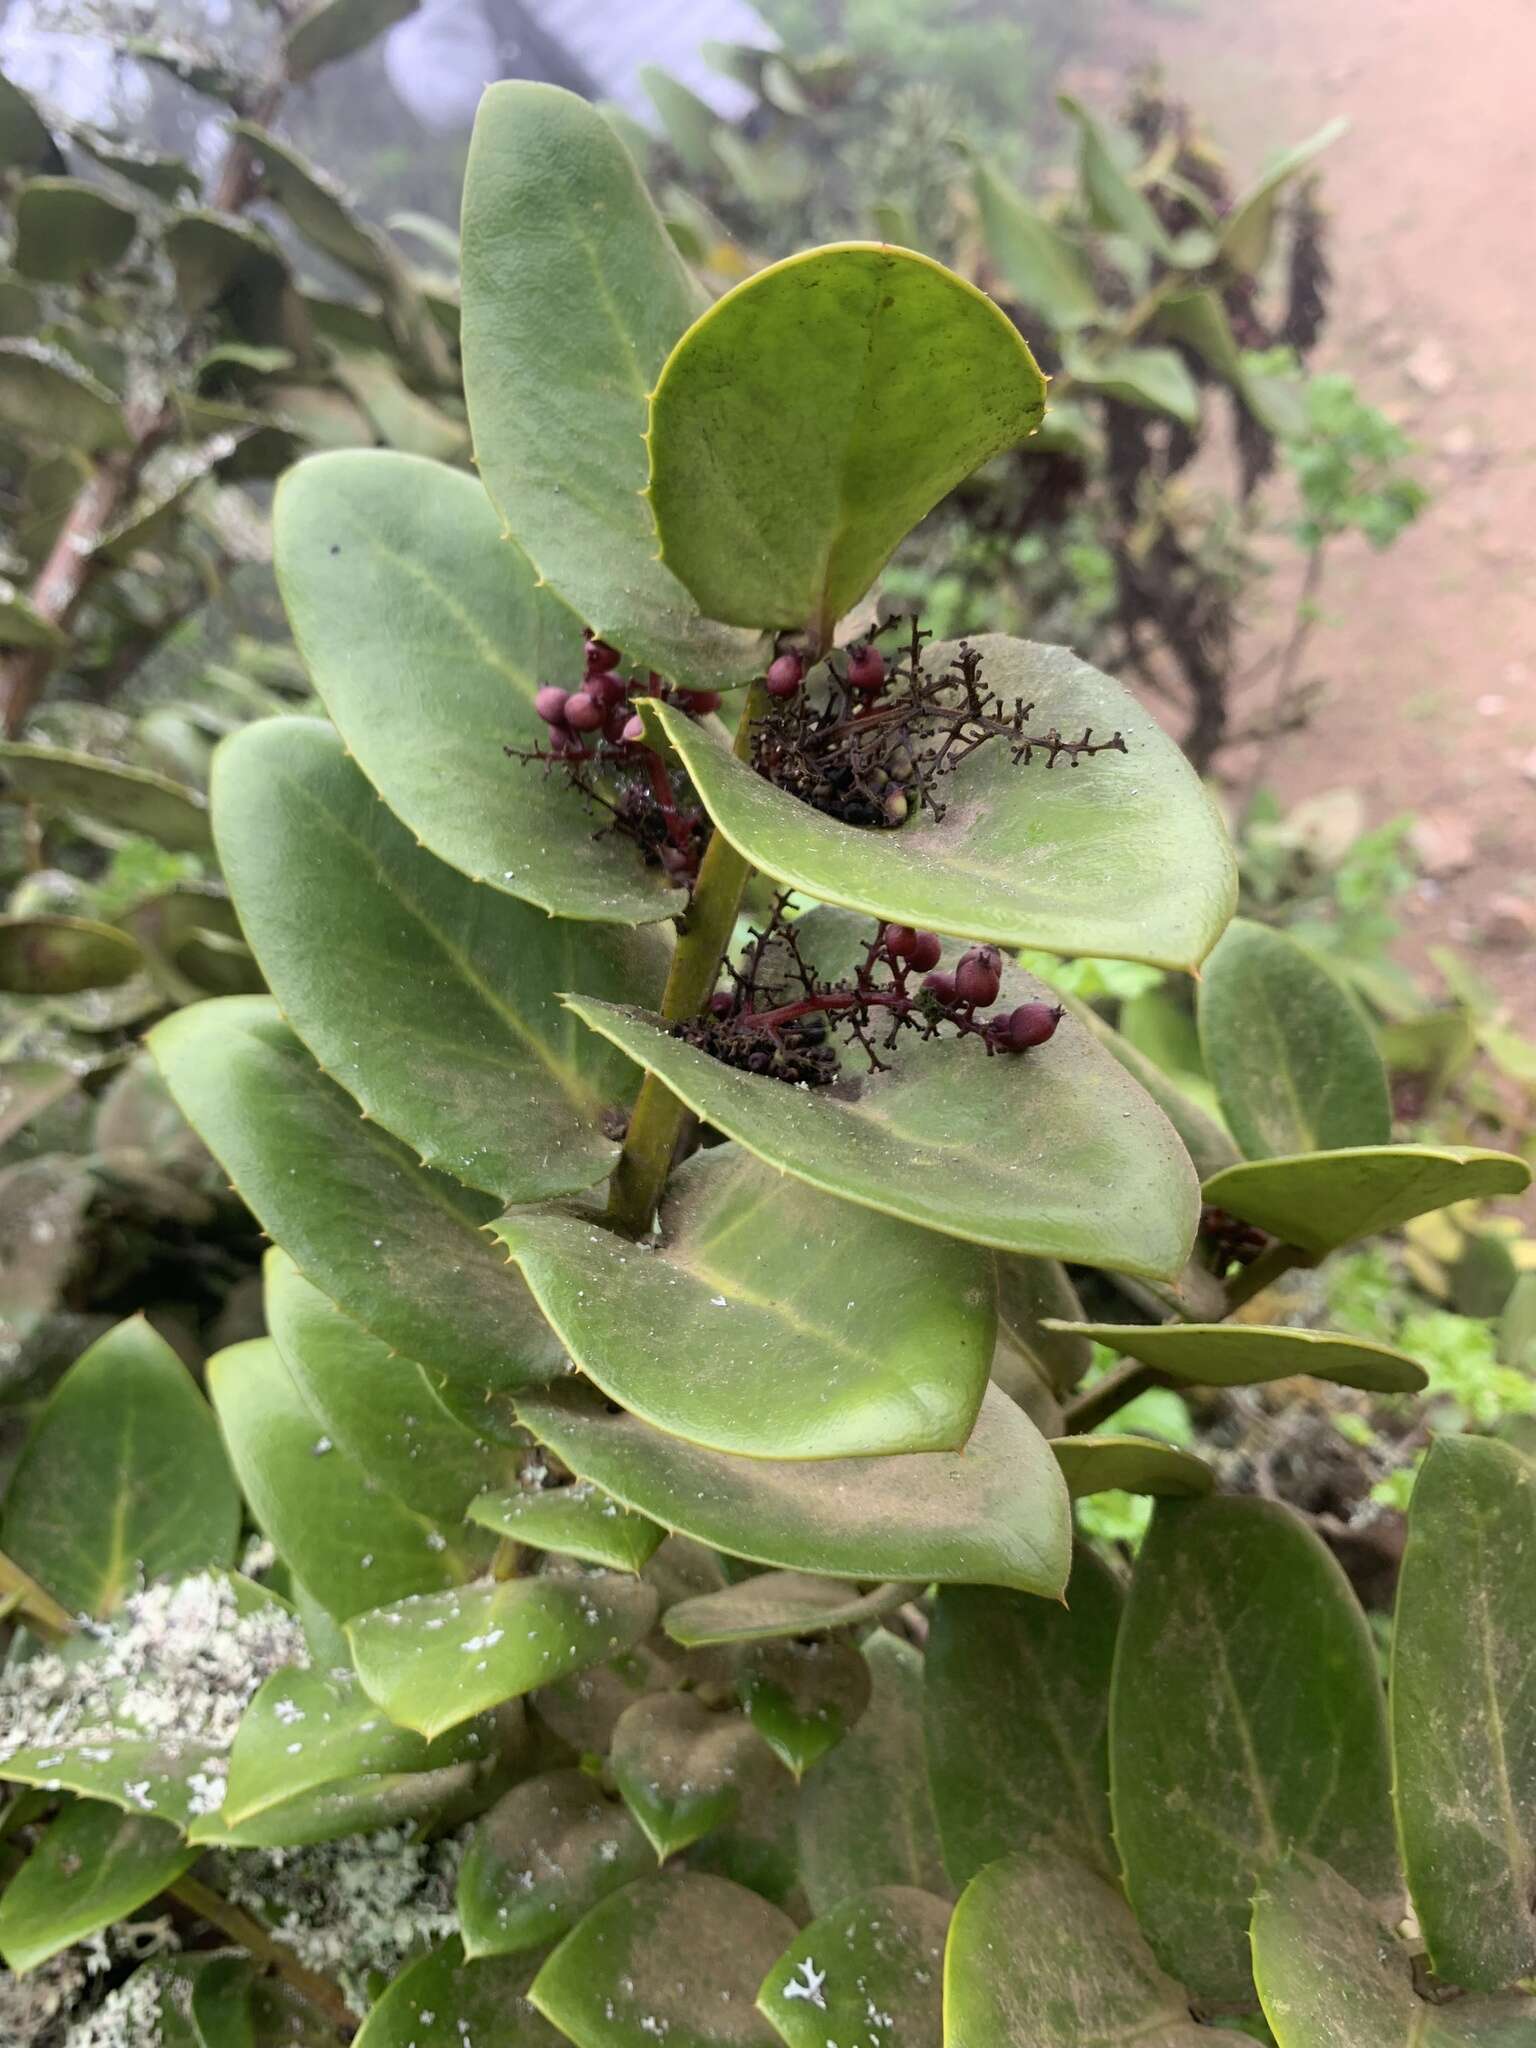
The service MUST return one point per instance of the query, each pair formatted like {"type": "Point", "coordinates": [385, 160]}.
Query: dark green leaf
{"type": "Point", "coordinates": [169, 179]}
{"type": "Point", "coordinates": [63, 956]}
{"type": "Point", "coordinates": [1246, 1721]}
{"type": "Point", "coordinates": [134, 799]}
{"type": "Point", "coordinates": [66, 228]}
{"type": "Point", "coordinates": [94, 1865]}
{"type": "Point", "coordinates": [1321, 1200]}
{"type": "Point", "coordinates": [329, 29]}
{"type": "Point", "coordinates": [1464, 1711]}
{"type": "Point", "coordinates": [123, 1479]}
{"type": "Point", "coordinates": [683, 1769]}
{"type": "Point", "coordinates": [541, 1858]}
{"type": "Point", "coordinates": [396, 1246]}
{"type": "Point", "coordinates": [444, 2001]}
{"type": "Point", "coordinates": [24, 135]}
{"type": "Point", "coordinates": [872, 1967]}
{"type": "Point", "coordinates": [1290, 1055]}
{"type": "Point", "coordinates": [576, 1521]}
{"type": "Point", "coordinates": [1206, 1140]}
{"type": "Point", "coordinates": [996, 1514]}
{"type": "Point", "coordinates": [1129, 1464]}
{"type": "Point", "coordinates": [771, 1604]}
{"type": "Point", "coordinates": [47, 398]}
{"type": "Point", "coordinates": [802, 1697]}
{"type": "Point", "coordinates": [573, 298]}
{"type": "Point", "coordinates": [1034, 1299]}
{"type": "Point", "coordinates": [1247, 1354]}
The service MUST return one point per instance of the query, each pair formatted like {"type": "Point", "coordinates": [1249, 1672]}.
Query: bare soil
{"type": "Point", "coordinates": [1429, 650]}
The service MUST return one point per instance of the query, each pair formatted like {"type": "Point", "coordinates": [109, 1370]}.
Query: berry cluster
{"type": "Point", "coordinates": [778, 1019]}
{"type": "Point", "coordinates": [870, 744]}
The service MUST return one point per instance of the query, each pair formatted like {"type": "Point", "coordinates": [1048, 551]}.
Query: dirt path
{"type": "Point", "coordinates": [1430, 650]}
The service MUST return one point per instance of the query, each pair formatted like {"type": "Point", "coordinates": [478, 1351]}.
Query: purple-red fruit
{"type": "Point", "coordinates": [616, 723]}
{"type": "Point", "coordinates": [550, 704]}
{"type": "Point", "coordinates": [606, 690]}
{"type": "Point", "coordinates": [697, 702]}
{"type": "Point", "coordinates": [1032, 1024]}
{"type": "Point", "coordinates": [722, 1002]}
{"type": "Point", "coordinates": [565, 745]}
{"type": "Point", "coordinates": [786, 672]}
{"type": "Point", "coordinates": [634, 730]}
{"type": "Point", "coordinates": [583, 713]}
{"type": "Point", "coordinates": [899, 941]}
{"type": "Point", "coordinates": [866, 669]}
{"type": "Point", "coordinates": [979, 976]}
{"type": "Point", "coordinates": [601, 657]}
{"type": "Point", "coordinates": [940, 985]}
{"type": "Point", "coordinates": [926, 951]}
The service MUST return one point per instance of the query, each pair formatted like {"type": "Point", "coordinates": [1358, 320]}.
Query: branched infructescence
{"type": "Point", "coordinates": [873, 743]}
{"type": "Point", "coordinates": [597, 740]}
{"type": "Point", "coordinates": [779, 1020]}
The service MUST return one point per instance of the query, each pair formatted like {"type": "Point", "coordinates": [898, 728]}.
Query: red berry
{"type": "Point", "coordinates": [785, 675]}
{"type": "Point", "coordinates": [565, 745]}
{"type": "Point", "coordinates": [979, 976]}
{"type": "Point", "coordinates": [616, 724]}
{"type": "Point", "coordinates": [583, 713]}
{"type": "Point", "coordinates": [606, 690]}
{"type": "Point", "coordinates": [940, 985]}
{"type": "Point", "coordinates": [601, 657]}
{"type": "Point", "coordinates": [866, 669]}
{"type": "Point", "coordinates": [926, 951]}
{"type": "Point", "coordinates": [722, 1002]}
{"type": "Point", "coordinates": [634, 730]}
{"type": "Point", "coordinates": [1032, 1024]}
{"type": "Point", "coordinates": [697, 702]}
{"type": "Point", "coordinates": [550, 704]}
{"type": "Point", "coordinates": [899, 940]}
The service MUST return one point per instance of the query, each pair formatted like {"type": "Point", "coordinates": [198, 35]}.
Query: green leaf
{"type": "Point", "coordinates": [350, 1545]}
{"type": "Point", "coordinates": [217, 257]}
{"type": "Point", "coordinates": [123, 1479]}
{"type": "Point", "coordinates": [1117, 205]}
{"type": "Point", "coordinates": [771, 1604]}
{"type": "Point", "coordinates": [222, 2016]}
{"type": "Point", "coordinates": [1083, 1978]}
{"type": "Point", "coordinates": [542, 1858]}
{"type": "Point", "coordinates": [27, 1088]}
{"type": "Point", "coordinates": [676, 1959]}
{"type": "Point", "coordinates": [1322, 1200]}
{"type": "Point", "coordinates": [576, 1521]}
{"type": "Point", "coordinates": [1035, 1300]}
{"type": "Point", "coordinates": [1464, 1711]}
{"type": "Point", "coordinates": [996, 1514]}
{"type": "Point", "coordinates": [396, 1246]}
{"type": "Point", "coordinates": [1331, 1976]}
{"type": "Point", "coordinates": [94, 1865]}
{"type": "Point", "coordinates": [573, 298]}
{"type": "Point", "coordinates": [1129, 1464]}
{"type": "Point", "coordinates": [1155, 378]}
{"type": "Point", "coordinates": [875, 1336]}
{"type": "Point", "coordinates": [442, 2000]}
{"type": "Point", "coordinates": [1248, 229]}
{"type": "Point", "coordinates": [23, 625]}
{"type": "Point", "coordinates": [1291, 1057]}
{"type": "Point", "coordinates": [807, 421]}
{"type": "Point", "coordinates": [62, 956]}
{"type": "Point", "coordinates": [66, 228]}
{"type": "Point", "coordinates": [318, 209]}
{"type": "Point", "coordinates": [1015, 1709]}
{"type": "Point", "coordinates": [402, 418]}
{"type": "Point", "coordinates": [380, 1408]}
{"type": "Point", "coordinates": [865, 1814]}
{"type": "Point", "coordinates": [25, 139]}
{"type": "Point", "coordinates": [1248, 1355]}
{"type": "Point", "coordinates": [394, 572]}
{"type": "Point", "coordinates": [876, 1961]}
{"type": "Point", "coordinates": [1120, 857]}
{"type": "Point", "coordinates": [951, 1140]}
{"type": "Point", "coordinates": [683, 1768]}
{"type": "Point", "coordinates": [432, 1000]}
{"type": "Point", "coordinates": [170, 179]}
{"type": "Point", "coordinates": [1041, 265]}
{"type": "Point", "coordinates": [134, 799]}
{"type": "Point", "coordinates": [1246, 1722]}
{"type": "Point", "coordinates": [307, 1729]}
{"type": "Point", "coordinates": [48, 399]}
{"type": "Point", "coordinates": [802, 1697]}
{"type": "Point", "coordinates": [330, 29]}
{"type": "Point", "coordinates": [436, 1660]}
{"type": "Point", "coordinates": [1204, 1138]}
{"type": "Point", "coordinates": [690, 122]}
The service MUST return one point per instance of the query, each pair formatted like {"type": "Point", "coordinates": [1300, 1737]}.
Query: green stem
{"type": "Point", "coordinates": [250, 1935]}
{"type": "Point", "coordinates": [650, 1144]}
{"type": "Point", "coordinates": [24, 1595]}
{"type": "Point", "coordinates": [1266, 1269]}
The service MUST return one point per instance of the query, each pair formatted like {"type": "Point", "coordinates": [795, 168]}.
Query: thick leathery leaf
{"type": "Point", "coordinates": [1246, 1721]}
{"type": "Point", "coordinates": [23, 625]}
{"type": "Point", "coordinates": [865, 1814]}
{"type": "Point", "coordinates": [433, 1001]}
{"type": "Point", "coordinates": [48, 398]}
{"type": "Point", "coordinates": [137, 799]}
{"type": "Point", "coordinates": [378, 1407]}
{"type": "Point", "coordinates": [348, 1543]}
{"type": "Point", "coordinates": [1249, 1354]}
{"type": "Point", "coordinates": [123, 1479]}
{"type": "Point", "coordinates": [771, 1604]}
{"type": "Point", "coordinates": [873, 1965]}
{"type": "Point", "coordinates": [576, 1521]}
{"type": "Point", "coordinates": [27, 1088]}
{"type": "Point", "coordinates": [1042, 268]}
{"type": "Point", "coordinates": [398, 1247]}
{"type": "Point", "coordinates": [1034, 1300]}
{"type": "Point", "coordinates": [1056, 1153]}
{"type": "Point", "coordinates": [306, 1729]}
{"type": "Point", "coordinates": [573, 298]}
{"type": "Point", "coordinates": [328, 29]}
{"type": "Point", "coordinates": [682, 1768]}
{"type": "Point", "coordinates": [170, 178]}
{"type": "Point", "coordinates": [676, 1958]}
{"type": "Point", "coordinates": [1464, 1711]}
{"type": "Point", "coordinates": [770, 1321]}
{"type": "Point", "coordinates": [1083, 1978]}
{"type": "Point", "coordinates": [1119, 206]}
{"type": "Point", "coordinates": [1129, 1464]}
{"type": "Point", "coordinates": [1331, 1976]}
{"type": "Point", "coordinates": [94, 1865]}
{"type": "Point", "coordinates": [436, 1660]}
{"type": "Point", "coordinates": [1207, 1142]}
{"type": "Point", "coordinates": [541, 1858]}
{"type": "Point", "coordinates": [63, 956]}
{"type": "Point", "coordinates": [222, 2015]}
{"type": "Point", "coordinates": [807, 421]}
{"type": "Point", "coordinates": [1291, 1057]}
{"type": "Point", "coordinates": [318, 208]}
{"type": "Point", "coordinates": [1122, 856]}
{"type": "Point", "coordinates": [1154, 378]}
{"type": "Point", "coordinates": [351, 1806]}
{"type": "Point", "coordinates": [25, 139]}
{"type": "Point", "coordinates": [802, 1697]}
{"type": "Point", "coordinates": [1320, 1200]}
{"type": "Point", "coordinates": [1015, 1713]}
{"type": "Point", "coordinates": [996, 1514]}
{"type": "Point", "coordinates": [395, 574]}
{"type": "Point", "coordinates": [1247, 231]}
{"type": "Point", "coordinates": [66, 227]}
{"type": "Point", "coordinates": [445, 2000]}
